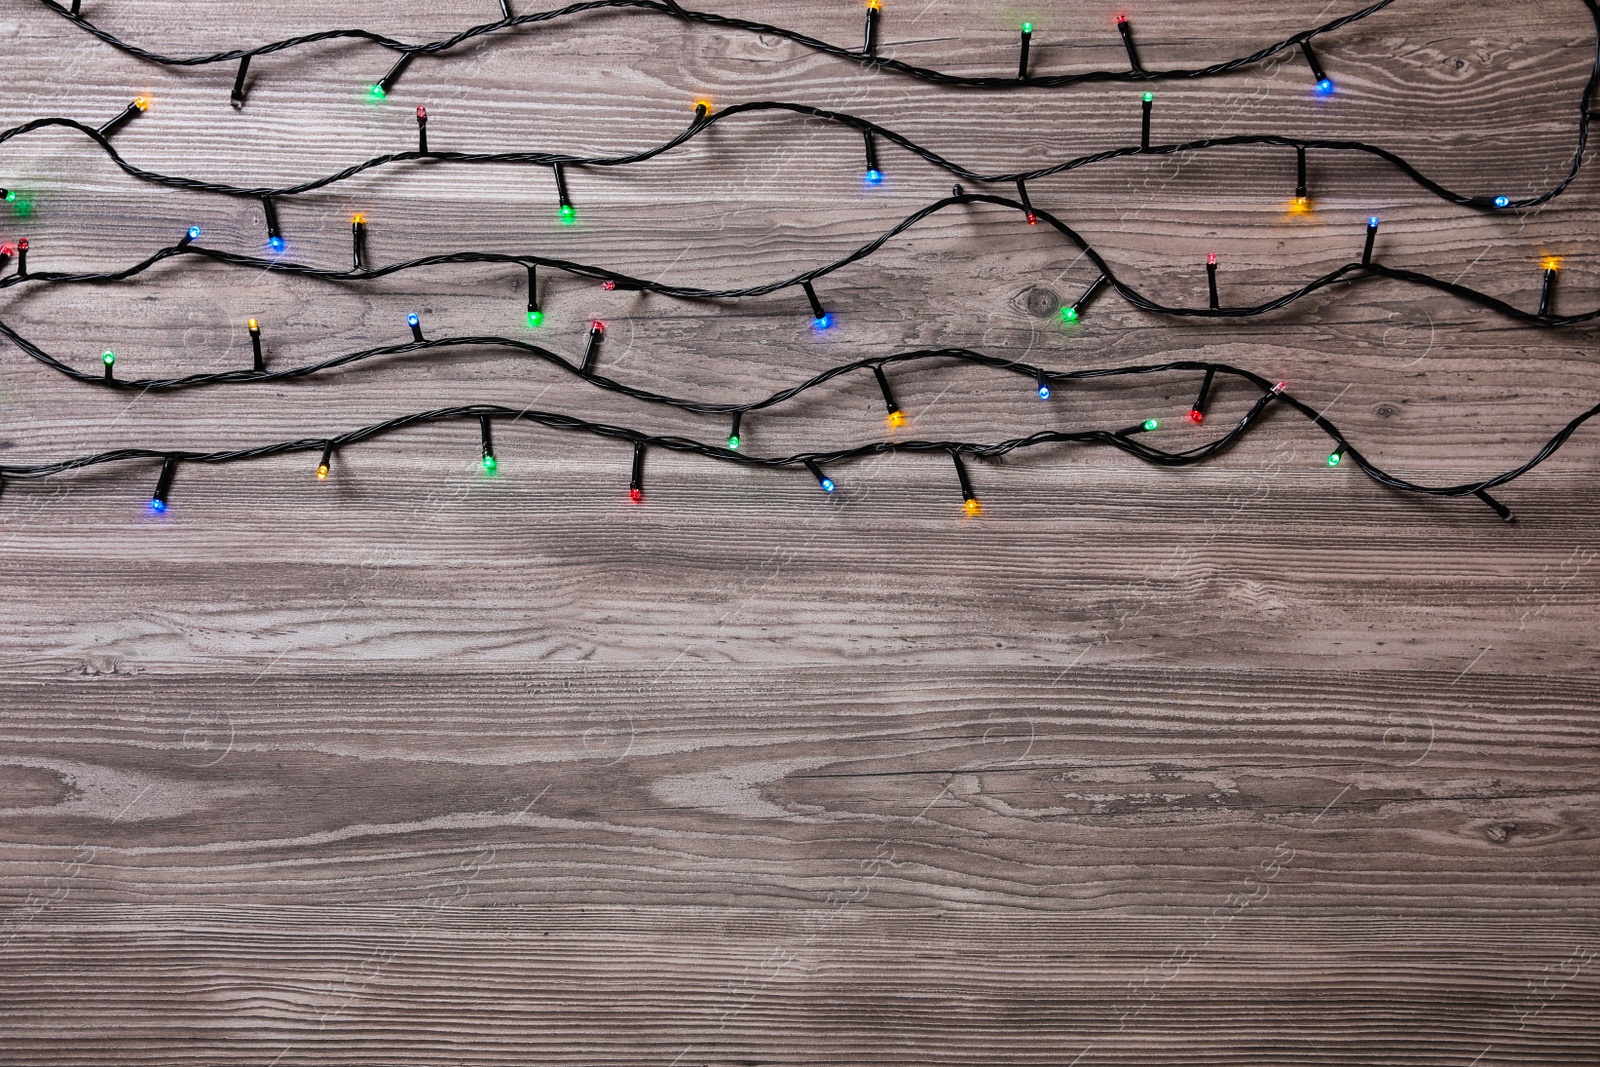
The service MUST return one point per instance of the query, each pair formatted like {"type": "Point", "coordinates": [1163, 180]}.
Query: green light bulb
{"type": "Point", "coordinates": [1149, 97]}
{"type": "Point", "coordinates": [568, 213]}
{"type": "Point", "coordinates": [1152, 424]}
{"type": "Point", "coordinates": [108, 358]}
{"type": "Point", "coordinates": [535, 318]}
{"type": "Point", "coordinates": [11, 194]}
{"type": "Point", "coordinates": [377, 92]}
{"type": "Point", "coordinates": [1069, 314]}
{"type": "Point", "coordinates": [1335, 458]}
{"type": "Point", "coordinates": [1027, 27]}
{"type": "Point", "coordinates": [489, 464]}
{"type": "Point", "coordinates": [733, 442]}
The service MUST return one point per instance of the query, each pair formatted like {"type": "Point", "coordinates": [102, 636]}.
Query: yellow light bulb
{"type": "Point", "coordinates": [705, 104]}
{"type": "Point", "coordinates": [1552, 262]}
{"type": "Point", "coordinates": [358, 217]}
{"type": "Point", "coordinates": [142, 103]}
{"type": "Point", "coordinates": [252, 324]}
{"type": "Point", "coordinates": [1300, 205]}
{"type": "Point", "coordinates": [875, 5]}
{"type": "Point", "coordinates": [974, 508]}
{"type": "Point", "coordinates": [322, 470]}
{"type": "Point", "coordinates": [897, 419]}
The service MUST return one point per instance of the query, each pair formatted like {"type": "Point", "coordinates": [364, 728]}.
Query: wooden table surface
{"type": "Point", "coordinates": [1253, 762]}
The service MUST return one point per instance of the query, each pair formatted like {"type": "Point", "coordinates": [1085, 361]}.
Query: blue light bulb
{"type": "Point", "coordinates": [194, 233]}
{"type": "Point", "coordinates": [823, 321]}
{"type": "Point", "coordinates": [1325, 87]}
{"type": "Point", "coordinates": [412, 320]}
{"type": "Point", "coordinates": [158, 505]}
{"type": "Point", "coordinates": [1044, 392]}
{"type": "Point", "coordinates": [827, 485]}
{"type": "Point", "coordinates": [1372, 221]}
{"type": "Point", "coordinates": [276, 242]}
{"type": "Point", "coordinates": [874, 176]}
{"type": "Point", "coordinates": [1502, 201]}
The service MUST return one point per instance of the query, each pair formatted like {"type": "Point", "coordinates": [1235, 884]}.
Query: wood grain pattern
{"type": "Point", "coordinates": [1250, 763]}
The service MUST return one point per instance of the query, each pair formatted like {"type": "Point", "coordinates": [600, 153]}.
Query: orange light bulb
{"type": "Point", "coordinates": [897, 419]}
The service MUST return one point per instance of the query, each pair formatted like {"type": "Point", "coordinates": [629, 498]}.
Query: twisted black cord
{"type": "Point", "coordinates": [700, 125]}
{"type": "Point", "coordinates": [1352, 271]}
{"type": "Point", "coordinates": [1122, 440]}
{"type": "Point", "coordinates": [708, 18]}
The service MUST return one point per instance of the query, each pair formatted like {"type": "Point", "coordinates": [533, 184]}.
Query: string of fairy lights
{"type": "Point", "coordinates": [815, 463]}
{"type": "Point", "coordinates": [1367, 266]}
{"type": "Point", "coordinates": [866, 54]}
{"type": "Point", "coordinates": [1046, 382]}
{"type": "Point", "coordinates": [561, 165]}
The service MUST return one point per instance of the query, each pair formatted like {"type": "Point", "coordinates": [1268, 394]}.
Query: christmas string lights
{"type": "Point", "coordinates": [358, 241]}
{"type": "Point", "coordinates": [169, 471]}
{"type": "Point", "coordinates": [1551, 265]}
{"type": "Point", "coordinates": [275, 239]}
{"type": "Point", "coordinates": [1197, 411]}
{"type": "Point", "coordinates": [597, 330]}
{"type": "Point", "coordinates": [559, 162]}
{"type": "Point", "coordinates": [1125, 440]}
{"type": "Point", "coordinates": [816, 472]}
{"type": "Point", "coordinates": [535, 316]}
{"type": "Point", "coordinates": [139, 106]}
{"type": "Point", "coordinates": [819, 316]}
{"type": "Point", "coordinates": [822, 319]}
{"type": "Point", "coordinates": [636, 482]}
{"type": "Point", "coordinates": [236, 97]}
{"type": "Point", "coordinates": [1126, 32]}
{"type": "Point", "coordinates": [867, 54]}
{"type": "Point", "coordinates": [701, 114]}
{"type": "Point", "coordinates": [255, 345]}
{"type": "Point", "coordinates": [490, 464]}
{"type": "Point", "coordinates": [896, 418]}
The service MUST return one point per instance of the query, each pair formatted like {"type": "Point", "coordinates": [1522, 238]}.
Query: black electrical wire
{"type": "Point", "coordinates": [1353, 271]}
{"type": "Point", "coordinates": [700, 124]}
{"type": "Point", "coordinates": [709, 18]}
{"type": "Point", "coordinates": [1117, 439]}
{"type": "Point", "coordinates": [1122, 440]}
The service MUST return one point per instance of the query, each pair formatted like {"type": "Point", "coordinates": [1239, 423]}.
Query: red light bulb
{"type": "Point", "coordinates": [1121, 18]}
{"type": "Point", "coordinates": [1196, 416]}
{"type": "Point", "coordinates": [422, 113]}
{"type": "Point", "coordinates": [1211, 259]}
{"type": "Point", "coordinates": [1032, 219]}
{"type": "Point", "coordinates": [636, 495]}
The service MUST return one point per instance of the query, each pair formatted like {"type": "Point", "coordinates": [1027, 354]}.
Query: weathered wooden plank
{"type": "Point", "coordinates": [1247, 763]}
